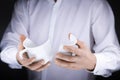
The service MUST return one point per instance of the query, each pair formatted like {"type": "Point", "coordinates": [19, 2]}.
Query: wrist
{"type": "Point", "coordinates": [92, 63]}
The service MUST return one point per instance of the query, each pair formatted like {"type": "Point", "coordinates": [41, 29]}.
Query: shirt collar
{"type": "Point", "coordinates": [51, 1]}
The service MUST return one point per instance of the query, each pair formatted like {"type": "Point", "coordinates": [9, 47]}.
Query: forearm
{"type": "Point", "coordinates": [107, 62]}
{"type": "Point", "coordinates": [8, 55]}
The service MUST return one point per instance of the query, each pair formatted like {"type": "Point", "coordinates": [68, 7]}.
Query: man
{"type": "Point", "coordinates": [92, 22]}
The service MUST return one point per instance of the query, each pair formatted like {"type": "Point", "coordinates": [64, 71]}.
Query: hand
{"type": "Point", "coordinates": [30, 63]}
{"type": "Point", "coordinates": [84, 58]}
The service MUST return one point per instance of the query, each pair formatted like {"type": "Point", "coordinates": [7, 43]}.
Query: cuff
{"type": "Point", "coordinates": [102, 63]}
{"type": "Point", "coordinates": [8, 56]}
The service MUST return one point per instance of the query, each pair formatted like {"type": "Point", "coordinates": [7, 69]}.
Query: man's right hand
{"type": "Point", "coordinates": [30, 63]}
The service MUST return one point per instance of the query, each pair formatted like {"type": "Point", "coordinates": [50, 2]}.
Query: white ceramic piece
{"type": "Point", "coordinates": [39, 52]}
{"type": "Point", "coordinates": [72, 42]}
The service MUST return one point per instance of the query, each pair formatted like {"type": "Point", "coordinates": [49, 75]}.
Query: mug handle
{"type": "Point", "coordinates": [21, 53]}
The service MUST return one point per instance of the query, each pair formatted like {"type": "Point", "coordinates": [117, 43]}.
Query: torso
{"type": "Point", "coordinates": [72, 17]}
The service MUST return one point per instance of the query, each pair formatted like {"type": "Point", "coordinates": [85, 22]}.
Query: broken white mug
{"type": "Point", "coordinates": [71, 42]}
{"type": "Point", "coordinates": [39, 52]}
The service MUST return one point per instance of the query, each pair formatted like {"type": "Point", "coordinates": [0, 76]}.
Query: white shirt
{"type": "Point", "coordinates": [92, 22]}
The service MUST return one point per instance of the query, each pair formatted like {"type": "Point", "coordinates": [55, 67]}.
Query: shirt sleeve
{"type": "Point", "coordinates": [106, 46]}
{"type": "Point", "coordinates": [17, 26]}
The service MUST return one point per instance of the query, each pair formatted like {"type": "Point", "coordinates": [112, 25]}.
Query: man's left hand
{"type": "Point", "coordinates": [84, 58]}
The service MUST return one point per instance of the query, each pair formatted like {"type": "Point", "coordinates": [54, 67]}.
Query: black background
{"type": "Point", "coordinates": [6, 9]}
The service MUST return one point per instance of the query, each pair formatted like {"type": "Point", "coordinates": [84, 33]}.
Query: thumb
{"type": "Point", "coordinates": [22, 38]}
{"type": "Point", "coordinates": [81, 44]}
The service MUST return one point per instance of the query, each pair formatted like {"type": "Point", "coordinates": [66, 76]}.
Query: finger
{"type": "Point", "coordinates": [27, 62]}
{"type": "Point", "coordinates": [43, 67]}
{"type": "Point", "coordinates": [25, 57]}
{"type": "Point", "coordinates": [22, 38]}
{"type": "Point", "coordinates": [67, 57]}
{"type": "Point", "coordinates": [73, 50]}
{"type": "Point", "coordinates": [81, 44]}
{"type": "Point", "coordinates": [36, 65]}
{"type": "Point", "coordinates": [18, 59]}
{"type": "Point", "coordinates": [65, 64]}
{"type": "Point", "coordinates": [23, 60]}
